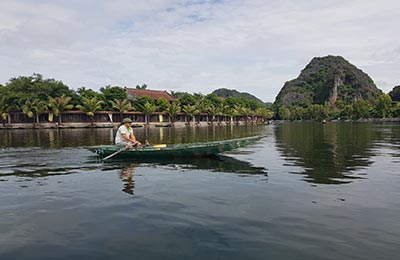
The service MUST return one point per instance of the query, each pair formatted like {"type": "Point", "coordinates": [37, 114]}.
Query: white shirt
{"type": "Point", "coordinates": [123, 130]}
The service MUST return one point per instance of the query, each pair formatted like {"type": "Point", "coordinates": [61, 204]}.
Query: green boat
{"type": "Point", "coordinates": [173, 150]}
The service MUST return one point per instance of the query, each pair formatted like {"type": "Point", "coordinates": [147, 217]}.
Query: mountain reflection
{"type": "Point", "coordinates": [329, 153]}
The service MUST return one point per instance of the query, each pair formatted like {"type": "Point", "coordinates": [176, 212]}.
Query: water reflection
{"type": "Point", "coordinates": [126, 176]}
{"type": "Point", "coordinates": [216, 163]}
{"type": "Point", "coordinates": [59, 138]}
{"type": "Point", "coordinates": [331, 153]}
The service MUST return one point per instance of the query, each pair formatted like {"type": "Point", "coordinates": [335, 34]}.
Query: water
{"type": "Point", "coordinates": [306, 191]}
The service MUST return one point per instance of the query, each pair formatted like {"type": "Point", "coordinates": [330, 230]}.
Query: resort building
{"type": "Point", "coordinates": [134, 93]}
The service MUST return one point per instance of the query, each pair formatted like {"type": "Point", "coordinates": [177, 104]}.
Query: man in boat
{"type": "Point", "coordinates": [125, 136]}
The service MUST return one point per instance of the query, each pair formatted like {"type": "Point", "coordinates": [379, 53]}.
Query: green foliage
{"type": "Point", "coordinates": [212, 100]}
{"type": "Point", "coordinates": [226, 93]}
{"type": "Point", "coordinates": [143, 86]}
{"type": "Point", "coordinates": [298, 113]}
{"type": "Point", "coordinates": [4, 107]}
{"type": "Point", "coordinates": [162, 104]}
{"type": "Point", "coordinates": [362, 109]}
{"type": "Point", "coordinates": [190, 111]}
{"type": "Point", "coordinates": [121, 105]}
{"type": "Point", "coordinates": [172, 111]}
{"type": "Point", "coordinates": [112, 93]}
{"type": "Point", "coordinates": [187, 100]}
{"type": "Point", "coordinates": [202, 105]}
{"type": "Point", "coordinates": [395, 93]}
{"type": "Point", "coordinates": [264, 113]}
{"type": "Point", "coordinates": [148, 109]}
{"type": "Point", "coordinates": [317, 112]}
{"type": "Point", "coordinates": [284, 113]}
{"type": "Point", "coordinates": [88, 94]}
{"type": "Point", "coordinates": [139, 102]}
{"type": "Point", "coordinates": [382, 105]}
{"type": "Point", "coordinates": [317, 80]}
{"type": "Point", "coordinates": [34, 108]}
{"type": "Point", "coordinates": [59, 104]}
{"type": "Point", "coordinates": [21, 89]}
{"type": "Point", "coordinates": [90, 106]}
{"type": "Point", "coordinates": [177, 94]}
{"type": "Point", "coordinates": [396, 109]}
{"type": "Point", "coordinates": [348, 111]}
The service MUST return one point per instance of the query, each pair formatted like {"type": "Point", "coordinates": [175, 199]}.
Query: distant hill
{"type": "Point", "coordinates": [329, 78]}
{"type": "Point", "coordinates": [224, 93]}
{"type": "Point", "coordinates": [395, 93]}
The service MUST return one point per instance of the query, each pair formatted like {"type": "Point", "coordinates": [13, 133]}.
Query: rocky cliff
{"type": "Point", "coordinates": [327, 79]}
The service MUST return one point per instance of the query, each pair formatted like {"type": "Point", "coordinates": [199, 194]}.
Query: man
{"type": "Point", "coordinates": [125, 135]}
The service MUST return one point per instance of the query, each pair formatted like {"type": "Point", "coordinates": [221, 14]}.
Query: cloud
{"type": "Point", "coordinates": [197, 46]}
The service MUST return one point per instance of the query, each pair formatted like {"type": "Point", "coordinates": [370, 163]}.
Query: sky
{"type": "Point", "coordinates": [197, 46]}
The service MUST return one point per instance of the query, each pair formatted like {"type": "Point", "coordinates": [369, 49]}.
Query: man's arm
{"type": "Point", "coordinates": [131, 138]}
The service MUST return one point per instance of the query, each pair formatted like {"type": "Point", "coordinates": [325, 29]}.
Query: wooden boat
{"type": "Point", "coordinates": [174, 150]}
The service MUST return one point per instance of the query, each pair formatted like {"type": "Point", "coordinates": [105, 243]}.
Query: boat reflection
{"type": "Point", "coordinates": [216, 163]}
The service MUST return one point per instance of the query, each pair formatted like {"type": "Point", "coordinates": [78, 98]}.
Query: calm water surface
{"type": "Point", "coordinates": [305, 191]}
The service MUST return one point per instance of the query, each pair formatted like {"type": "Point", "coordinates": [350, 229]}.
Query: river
{"type": "Point", "coordinates": [305, 191]}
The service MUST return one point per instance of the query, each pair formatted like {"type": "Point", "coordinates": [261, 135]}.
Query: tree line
{"type": "Point", "coordinates": [382, 107]}
{"type": "Point", "coordinates": [34, 95]}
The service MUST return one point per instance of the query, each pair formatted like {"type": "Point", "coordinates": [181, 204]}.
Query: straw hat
{"type": "Point", "coordinates": [127, 120]}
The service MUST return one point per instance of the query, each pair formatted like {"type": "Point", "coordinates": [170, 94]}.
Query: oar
{"type": "Point", "coordinates": [117, 152]}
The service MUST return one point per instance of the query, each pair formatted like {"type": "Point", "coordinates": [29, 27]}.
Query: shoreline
{"type": "Point", "coordinates": [116, 125]}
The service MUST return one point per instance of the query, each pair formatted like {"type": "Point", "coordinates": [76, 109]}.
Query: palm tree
{"type": "Point", "coordinates": [190, 111]}
{"type": "Point", "coordinates": [34, 108]}
{"type": "Point", "coordinates": [147, 110]}
{"type": "Point", "coordinates": [173, 110]}
{"type": "Point", "coordinates": [263, 113]}
{"type": "Point", "coordinates": [201, 107]}
{"type": "Point", "coordinates": [238, 111]}
{"type": "Point", "coordinates": [4, 108]}
{"type": "Point", "coordinates": [213, 111]}
{"type": "Point", "coordinates": [90, 106]}
{"type": "Point", "coordinates": [60, 104]}
{"type": "Point", "coordinates": [222, 111]}
{"type": "Point", "coordinates": [121, 105]}
{"type": "Point", "coordinates": [230, 112]}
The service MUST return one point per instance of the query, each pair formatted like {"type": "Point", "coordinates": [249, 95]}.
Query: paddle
{"type": "Point", "coordinates": [117, 152]}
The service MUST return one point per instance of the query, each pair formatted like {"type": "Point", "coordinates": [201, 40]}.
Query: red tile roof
{"type": "Point", "coordinates": [154, 94]}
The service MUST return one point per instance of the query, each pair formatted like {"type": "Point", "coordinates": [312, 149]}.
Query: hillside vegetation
{"type": "Point", "coordinates": [328, 79]}
{"type": "Point", "coordinates": [329, 88]}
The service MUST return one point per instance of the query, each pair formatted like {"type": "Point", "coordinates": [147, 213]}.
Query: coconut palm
{"type": "Point", "coordinates": [230, 112]}
{"type": "Point", "coordinates": [121, 105]}
{"type": "Point", "coordinates": [222, 111]}
{"type": "Point", "coordinates": [147, 110]}
{"type": "Point", "coordinates": [60, 104]}
{"type": "Point", "coordinates": [190, 111]}
{"type": "Point", "coordinates": [201, 107]}
{"type": "Point", "coordinates": [238, 111]}
{"type": "Point", "coordinates": [90, 106]}
{"type": "Point", "coordinates": [34, 108]}
{"type": "Point", "coordinates": [213, 111]}
{"type": "Point", "coordinates": [264, 113]}
{"type": "Point", "coordinates": [4, 108]}
{"type": "Point", "coordinates": [172, 111]}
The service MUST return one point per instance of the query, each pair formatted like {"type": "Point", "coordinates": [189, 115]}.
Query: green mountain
{"type": "Point", "coordinates": [328, 79]}
{"type": "Point", "coordinates": [395, 93]}
{"type": "Point", "coordinates": [224, 93]}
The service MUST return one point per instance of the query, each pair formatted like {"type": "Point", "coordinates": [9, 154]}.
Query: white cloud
{"type": "Point", "coordinates": [197, 46]}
